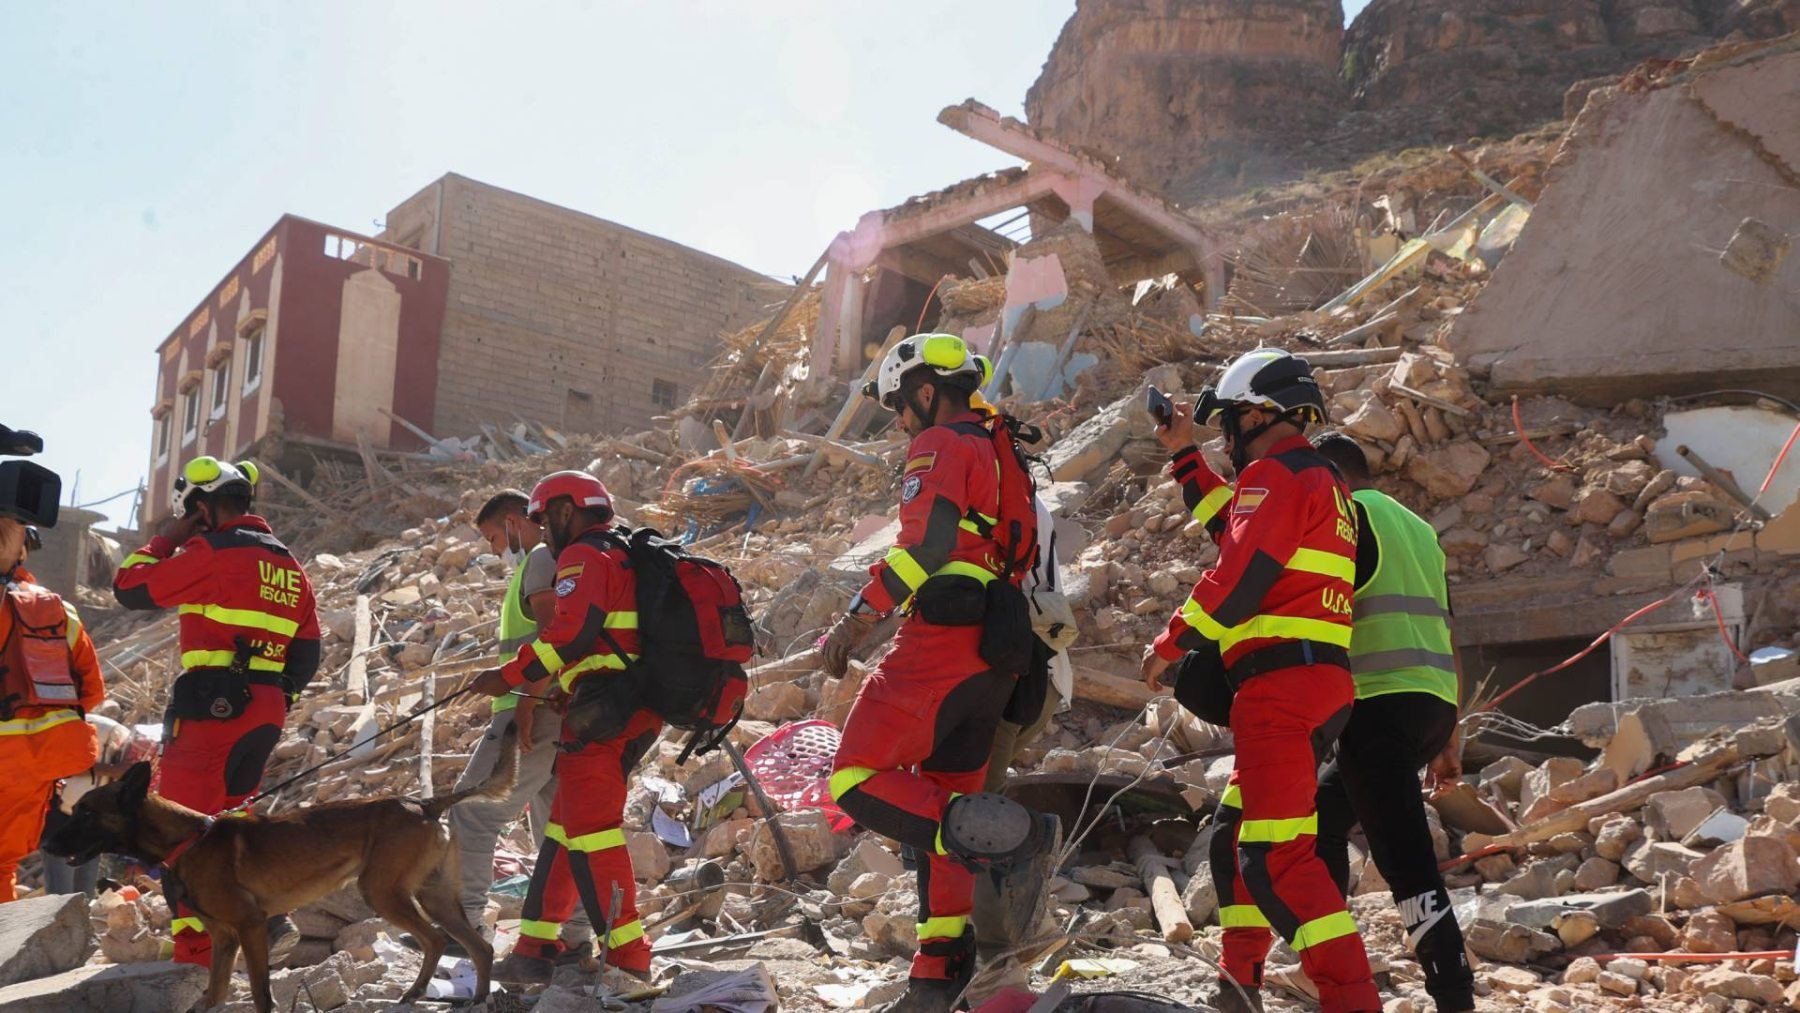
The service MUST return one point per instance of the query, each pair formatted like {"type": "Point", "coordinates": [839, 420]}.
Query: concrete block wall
{"type": "Point", "coordinates": [544, 301]}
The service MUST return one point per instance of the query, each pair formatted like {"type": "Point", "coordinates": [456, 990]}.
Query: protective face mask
{"type": "Point", "coordinates": [515, 551]}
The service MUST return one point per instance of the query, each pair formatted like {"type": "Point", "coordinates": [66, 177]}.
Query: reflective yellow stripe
{"type": "Point", "coordinates": [74, 623]}
{"type": "Point", "coordinates": [1329, 564]}
{"type": "Point", "coordinates": [138, 559]}
{"type": "Point", "coordinates": [957, 567]}
{"type": "Point", "coordinates": [180, 925]}
{"type": "Point", "coordinates": [599, 840]}
{"type": "Point", "coordinates": [592, 663]}
{"type": "Point", "coordinates": [630, 932]}
{"type": "Point", "coordinates": [968, 524]}
{"type": "Point", "coordinates": [224, 659]}
{"type": "Point", "coordinates": [249, 618]}
{"type": "Point", "coordinates": [1264, 628]}
{"type": "Point", "coordinates": [547, 656]}
{"type": "Point", "coordinates": [906, 567]}
{"type": "Point", "coordinates": [1242, 916]}
{"type": "Point", "coordinates": [31, 726]}
{"type": "Point", "coordinates": [539, 930]}
{"type": "Point", "coordinates": [1324, 930]}
{"type": "Point", "coordinates": [1211, 503]}
{"type": "Point", "coordinates": [621, 621]}
{"type": "Point", "coordinates": [943, 927]}
{"type": "Point", "coordinates": [939, 844]}
{"type": "Point", "coordinates": [1233, 797]}
{"type": "Point", "coordinates": [848, 778]}
{"type": "Point", "coordinates": [1278, 831]}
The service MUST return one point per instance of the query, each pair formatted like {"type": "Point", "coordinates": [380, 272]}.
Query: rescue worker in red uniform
{"type": "Point", "coordinates": [584, 859]}
{"type": "Point", "coordinates": [1277, 609]}
{"type": "Point", "coordinates": [51, 676]}
{"type": "Point", "coordinates": [249, 638]}
{"type": "Point", "coordinates": [915, 746]}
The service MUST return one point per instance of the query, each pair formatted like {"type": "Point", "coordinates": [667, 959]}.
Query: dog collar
{"type": "Point", "coordinates": [178, 850]}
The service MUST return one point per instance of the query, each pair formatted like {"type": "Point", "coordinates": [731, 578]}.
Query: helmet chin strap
{"type": "Point", "coordinates": [928, 416]}
{"type": "Point", "coordinates": [1240, 440]}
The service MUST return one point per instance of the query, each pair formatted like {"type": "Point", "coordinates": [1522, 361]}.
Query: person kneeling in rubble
{"type": "Point", "coordinates": [967, 535]}
{"type": "Point", "coordinates": [584, 856]}
{"type": "Point", "coordinates": [1274, 614]}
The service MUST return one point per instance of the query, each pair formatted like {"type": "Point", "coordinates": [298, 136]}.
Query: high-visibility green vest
{"type": "Point", "coordinates": [516, 627]}
{"type": "Point", "coordinates": [1400, 638]}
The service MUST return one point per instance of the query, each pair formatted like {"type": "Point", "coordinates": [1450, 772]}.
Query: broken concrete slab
{"type": "Point", "coordinates": [1672, 815]}
{"type": "Point", "coordinates": [1686, 320]}
{"type": "Point", "coordinates": [1689, 718]}
{"type": "Point", "coordinates": [1750, 867]}
{"type": "Point", "coordinates": [1721, 827]}
{"type": "Point", "coordinates": [118, 988]}
{"type": "Point", "coordinates": [1609, 909]}
{"type": "Point", "coordinates": [1650, 861]}
{"type": "Point", "coordinates": [1512, 944]}
{"type": "Point", "coordinates": [1094, 442]}
{"type": "Point", "coordinates": [42, 936]}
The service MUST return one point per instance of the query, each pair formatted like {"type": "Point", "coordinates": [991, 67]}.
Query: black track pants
{"type": "Point", "coordinates": [1375, 780]}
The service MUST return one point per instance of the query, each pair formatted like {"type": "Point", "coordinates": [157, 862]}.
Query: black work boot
{"type": "Point", "coordinates": [1230, 1000]}
{"type": "Point", "coordinates": [956, 959]}
{"type": "Point", "coordinates": [518, 969]}
{"type": "Point", "coordinates": [284, 935]}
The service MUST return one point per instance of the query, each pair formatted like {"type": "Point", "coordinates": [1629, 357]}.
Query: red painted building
{"type": "Point", "coordinates": [308, 338]}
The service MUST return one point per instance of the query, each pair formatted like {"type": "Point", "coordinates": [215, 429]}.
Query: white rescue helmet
{"type": "Point", "coordinates": [1269, 378]}
{"type": "Point", "coordinates": [211, 475]}
{"type": "Point", "coordinates": [946, 355]}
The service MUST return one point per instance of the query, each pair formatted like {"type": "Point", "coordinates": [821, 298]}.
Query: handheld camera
{"type": "Point", "coordinates": [29, 492]}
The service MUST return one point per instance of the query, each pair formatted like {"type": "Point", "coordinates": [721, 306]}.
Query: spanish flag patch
{"type": "Point", "coordinates": [571, 571]}
{"type": "Point", "coordinates": [1248, 500]}
{"type": "Point", "coordinates": [922, 463]}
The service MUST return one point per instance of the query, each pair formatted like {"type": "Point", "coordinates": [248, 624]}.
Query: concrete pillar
{"type": "Point", "coordinates": [837, 348]}
{"type": "Point", "coordinates": [1212, 268]}
{"type": "Point", "coordinates": [1080, 193]}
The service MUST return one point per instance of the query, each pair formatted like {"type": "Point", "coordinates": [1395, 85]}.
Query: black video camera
{"type": "Point", "coordinates": [29, 492]}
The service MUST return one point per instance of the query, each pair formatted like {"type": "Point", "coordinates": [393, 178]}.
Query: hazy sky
{"type": "Point", "coordinates": [145, 147]}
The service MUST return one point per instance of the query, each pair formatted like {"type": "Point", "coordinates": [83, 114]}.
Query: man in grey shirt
{"type": "Point", "coordinates": [529, 603]}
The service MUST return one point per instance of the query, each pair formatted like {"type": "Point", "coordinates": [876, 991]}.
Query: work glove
{"type": "Point", "coordinates": [846, 636]}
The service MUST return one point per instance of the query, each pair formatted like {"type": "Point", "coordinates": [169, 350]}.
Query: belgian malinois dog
{"type": "Point", "coordinates": [237, 872]}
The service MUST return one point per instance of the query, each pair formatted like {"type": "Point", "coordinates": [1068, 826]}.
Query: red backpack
{"type": "Point", "coordinates": [1015, 529]}
{"type": "Point", "coordinates": [694, 633]}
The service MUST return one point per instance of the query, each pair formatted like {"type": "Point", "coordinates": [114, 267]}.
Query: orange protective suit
{"type": "Point", "coordinates": [40, 743]}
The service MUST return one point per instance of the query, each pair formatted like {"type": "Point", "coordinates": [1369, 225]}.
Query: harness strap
{"type": "Point", "coordinates": [178, 850]}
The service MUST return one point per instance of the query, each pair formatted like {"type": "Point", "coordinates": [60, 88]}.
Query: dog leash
{"type": "Point", "coordinates": [378, 733]}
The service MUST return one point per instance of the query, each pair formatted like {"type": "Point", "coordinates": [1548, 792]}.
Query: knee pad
{"type": "Point", "coordinates": [987, 828]}
{"type": "Point", "coordinates": [249, 755]}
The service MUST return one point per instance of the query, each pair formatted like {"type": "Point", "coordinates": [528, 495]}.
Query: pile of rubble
{"type": "Point", "coordinates": [1673, 839]}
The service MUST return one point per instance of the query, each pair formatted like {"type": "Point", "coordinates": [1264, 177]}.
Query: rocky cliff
{"type": "Point", "coordinates": [1203, 97]}
{"type": "Point", "coordinates": [1174, 87]}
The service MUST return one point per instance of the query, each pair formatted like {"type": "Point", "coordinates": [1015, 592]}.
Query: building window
{"type": "Point", "coordinates": [221, 388]}
{"type": "Point", "coordinates": [190, 416]}
{"type": "Point", "coordinates": [163, 426]}
{"type": "Point", "coordinates": [253, 355]}
{"type": "Point", "coordinates": [662, 393]}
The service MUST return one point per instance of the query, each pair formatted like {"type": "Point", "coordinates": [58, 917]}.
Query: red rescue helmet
{"type": "Point", "coordinates": [587, 491]}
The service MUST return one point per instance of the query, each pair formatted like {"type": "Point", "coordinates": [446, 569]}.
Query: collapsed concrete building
{"type": "Point", "coordinates": [1632, 539]}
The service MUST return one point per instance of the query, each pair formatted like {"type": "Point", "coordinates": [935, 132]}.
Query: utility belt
{"type": "Point", "coordinates": [1288, 654]}
{"type": "Point", "coordinates": [218, 694]}
{"type": "Point", "coordinates": [996, 605]}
